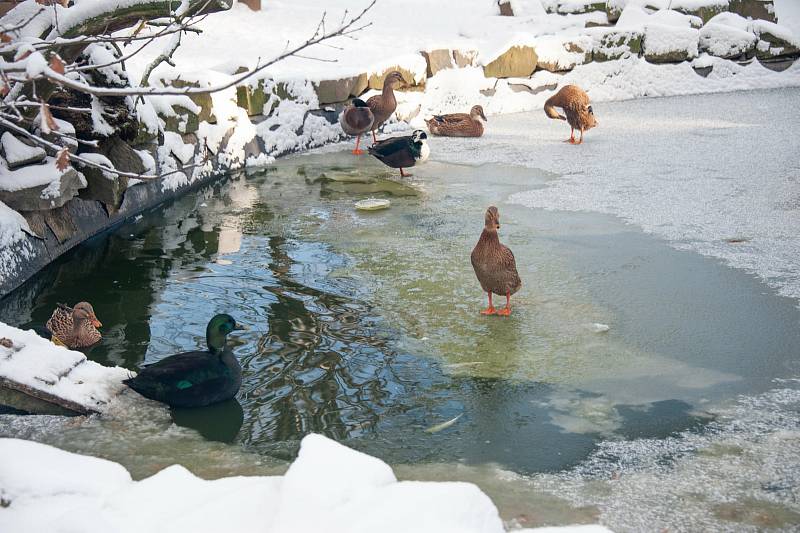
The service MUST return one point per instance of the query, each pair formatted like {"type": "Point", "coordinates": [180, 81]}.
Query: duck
{"type": "Point", "coordinates": [74, 327]}
{"type": "Point", "coordinates": [356, 119]}
{"type": "Point", "coordinates": [383, 105]}
{"type": "Point", "coordinates": [575, 103]}
{"type": "Point", "coordinates": [194, 379]}
{"type": "Point", "coordinates": [458, 124]}
{"type": "Point", "coordinates": [402, 152]}
{"type": "Point", "coordinates": [494, 264]}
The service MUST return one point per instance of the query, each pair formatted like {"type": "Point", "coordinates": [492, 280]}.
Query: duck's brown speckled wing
{"type": "Point", "coordinates": [60, 323]}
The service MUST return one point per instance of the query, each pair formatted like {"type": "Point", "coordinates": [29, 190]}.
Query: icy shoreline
{"type": "Point", "coordinates": [329, 487]}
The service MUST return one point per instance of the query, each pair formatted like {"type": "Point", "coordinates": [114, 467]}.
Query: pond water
{"type": "Point", "coordinates": [364, 327]}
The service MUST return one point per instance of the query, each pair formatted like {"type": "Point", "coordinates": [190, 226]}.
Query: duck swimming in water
{"type": "Point", "coordinates": [494, 264]}
{"type": "Point", "coordinates": [194, 379]}
{"type": "Point", "coordinates": [74, 327]}
{"type": "Point", "coordinates": [356, 119]}
{"type": "Point", "coordinates": [575, 103]}
{"type": "Point", "coordinates": [402, 152]}
{"type": "Point", "coordinates": [458, 124]}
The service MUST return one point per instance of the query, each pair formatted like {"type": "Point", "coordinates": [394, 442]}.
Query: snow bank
{"type": "Point", "coordinates": [328, 488]}
{"type": "Point", "coordinates": [41, 365]}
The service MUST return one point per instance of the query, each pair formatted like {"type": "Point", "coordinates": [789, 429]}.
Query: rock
{"type": "Point", "coordinates": [203, 101]}
{"type": "Point", "coordinates": [335, 91]}
{"type": "Point", "coordinates": [574, 7]}
{"type": "Point", "coordinates": [103, 187]}
{"type": "Point", "coordinates": [775, 42]}
{"type": "Point", "coordinates": [437, 60]}
{"type": "Point", "coordinates": [465, 58]}
{"type": "Point", "coordinates": [616, 44]}
{"type": "Point", "coordinates": [754, 9]}
{"type": "Point", "coordinates": [516, 62]}
{"type": "Point", "coordinates": [376, 80]}
{"type": "Point", "coordinates": [47, 195]}
{"type": "Point", "coordinates": [253, 99]}
{"type": "Point", "coordinates": [705, 13]}
{"type": "Point", "coordinates": [558, 56]}
{"type": "Point", "coordinates": [614, 9]}
{"type": "Point", "coordinates": [726, 42]}
{"type": "Point", "coordinates": [505, 8]}
{"type": "Point", "coordinates": [182, 121]}
{"type": "Point", "coordinates": [670, 44]}
{"type": "Point", "coordinates": [18, 153]}
{"type": "Point", "coordinates": [122, 156]}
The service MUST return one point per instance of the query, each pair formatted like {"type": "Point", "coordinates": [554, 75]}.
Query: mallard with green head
{"type": "Point", "coordinates": [194, 379]}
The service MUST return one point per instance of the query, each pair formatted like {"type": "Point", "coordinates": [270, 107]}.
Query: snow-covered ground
{"type": "Point", "coordinates": [328, 488]}
{"type": "Point", "coordinates": [720, 177]}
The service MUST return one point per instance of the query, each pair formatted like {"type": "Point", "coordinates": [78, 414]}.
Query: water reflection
{"type": "Point", "coordinates": [219, 422]}
{"type": "Point", "coordinates": [365, 327]}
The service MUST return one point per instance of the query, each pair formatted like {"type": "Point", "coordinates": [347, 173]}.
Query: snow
{"type": "Point", "coordinates": [183, 151]}
{"type": "Point", "coordinates": [725, 41]}
{"type": "Point", "coordinates": [17, 152]}
{"type": "Point", "coordinates": [40, 364]}
{"type": "Point", "coordinates": [13, 227]}
{"type": "Point", "coordinates": [787, 13]}
{"type": "Point", "coordinates": [29, 176]}
{"type": "Point", "coordinates": [100, 159]}
{"type": "Point", "coordinates": [327, 488]}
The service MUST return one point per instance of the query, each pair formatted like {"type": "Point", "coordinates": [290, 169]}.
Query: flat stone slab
{"type": "Point", "coordinates": [38, 368]}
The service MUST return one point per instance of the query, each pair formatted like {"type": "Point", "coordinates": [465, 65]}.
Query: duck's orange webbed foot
{"type": "Point", "coordinates": [489, 311]}
{"type": "Point", "coordinates": [358, 152]}
{"type": "Point", "coordinates": [506, 311]}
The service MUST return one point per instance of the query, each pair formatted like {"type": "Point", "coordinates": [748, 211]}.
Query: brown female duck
{"type": "Point", "coordinates": [383, 105]}
{"type": "Point", "coordinates": [356, 119]}
{"type": "Point", "coordinates": [458, 124]}
{"type": "Point", "coordinates": [575, 103]}
{"type": "Point", "coordinates": [494, 264]}
{"type": "Point", "coordinates": [74, 327]}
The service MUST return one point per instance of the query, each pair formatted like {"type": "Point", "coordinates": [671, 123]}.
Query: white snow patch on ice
{"type": "Point", "coordinates": [328, 488]}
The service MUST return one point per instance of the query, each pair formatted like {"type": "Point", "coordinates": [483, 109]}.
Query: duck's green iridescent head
{"type": "Point", "coordinates": [217, 331]}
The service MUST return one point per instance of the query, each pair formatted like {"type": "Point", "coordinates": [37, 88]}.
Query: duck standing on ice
{"type": "Point", "coordinates": [575, 103]}
{"type": "Point", "coordinates": [458, 124]}
{"type": "Point", "coordinates": [383, 105]}
{"type": "Point", "coordinates": [494, 264]}
{"type": "Point", "coordinates": [402, 152]}
{"type": "Point", "coordinates": [357, 119]}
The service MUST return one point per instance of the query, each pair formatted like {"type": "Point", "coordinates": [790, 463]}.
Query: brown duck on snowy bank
{"type": "Point", "coordinates": [458, 124]}
{"type": "Point", "coordinates": [356, 119]}
{"type": "Point", "coordinates": [74, 327]}
{"type": "Point", "coordinates": [383, 105]}
{"type": "Point", "coordinates": [575, 103]}
{"type": "Point", "coordinates": [494, 264]}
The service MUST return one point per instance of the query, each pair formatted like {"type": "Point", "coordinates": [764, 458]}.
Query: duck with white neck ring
{"type": "Point", "coordinates": [402, 152]}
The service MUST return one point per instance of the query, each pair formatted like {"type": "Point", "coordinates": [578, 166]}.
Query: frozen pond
{"type": "Point", "coordinates": [365, 326]}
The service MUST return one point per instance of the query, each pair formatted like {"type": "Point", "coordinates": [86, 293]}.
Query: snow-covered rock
{"type": "Point", "coordinates": [328, 488]}
{"type": "Point", "coordinates": [39, 187]}
{"type": "Point", "coordinates": [670, 43]}
{"type": "Point", "coordinates": [725, 41]}
{"type": "Point", "coordinates": [19, 154]}
{"type": "Point", "coordinates": [54, 370]}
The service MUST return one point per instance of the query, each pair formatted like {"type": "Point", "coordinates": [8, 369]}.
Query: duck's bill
{"type": "Point", "coordinates": [96, 323]}
{"type": "Point", "coordinates": [241, 327]}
